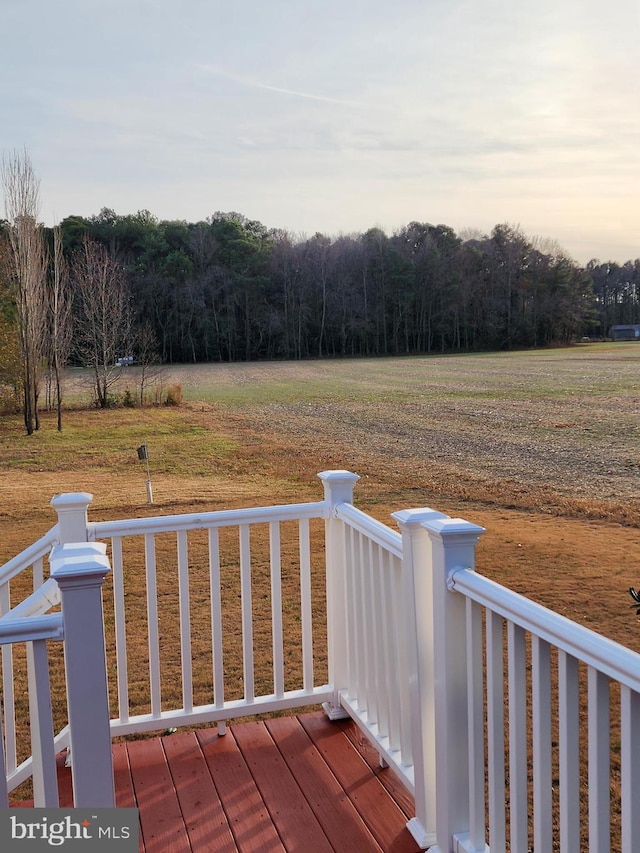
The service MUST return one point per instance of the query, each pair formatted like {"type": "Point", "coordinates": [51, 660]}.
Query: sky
{"type": "Point", "coordinates": [334, 115]}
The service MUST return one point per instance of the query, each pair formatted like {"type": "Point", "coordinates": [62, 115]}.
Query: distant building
{"type": "Point", "coordinates": [625, 333]}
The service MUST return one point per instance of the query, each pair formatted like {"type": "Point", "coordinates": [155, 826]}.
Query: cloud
{"type": "Point", "coordinates": [257, 84]}
{"type": "Point", "coordinates": [331, 115]}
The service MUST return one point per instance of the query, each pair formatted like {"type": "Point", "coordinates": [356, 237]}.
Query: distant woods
{"type": "Point", "coordinates": [229, 289]}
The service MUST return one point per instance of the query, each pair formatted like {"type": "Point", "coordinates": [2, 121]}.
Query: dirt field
{"type": "Point", "coordinates": [541, 448]}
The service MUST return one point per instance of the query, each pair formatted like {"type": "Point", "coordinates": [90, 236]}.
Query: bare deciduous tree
{"type": "Point", "coordinates": [28, 263]}
{"type": "Point", "coordinates": [60, 318]}
{"type": "Point", "coordinates": [103, 315]}
{"type": "Point", "coordinates": [10, 358]}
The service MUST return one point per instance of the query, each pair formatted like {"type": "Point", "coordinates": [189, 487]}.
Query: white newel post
{"type": "Point", "coordinates": [79, 570]}
{"type": "Point", "coordinates": [453, 543]}
{"type": "Point", "coordinates": [418, 719]}
{"type": "Point", "coordinates": [72, 515]}
{"type": "Point", "coordinates": [338, 488]}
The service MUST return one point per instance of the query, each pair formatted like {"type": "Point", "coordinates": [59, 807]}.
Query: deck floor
{"type": "Point", "coordinates": [298, 783]}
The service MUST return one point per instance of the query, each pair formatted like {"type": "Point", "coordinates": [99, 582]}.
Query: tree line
{"type": "Point", "coordinates": [229, 288]}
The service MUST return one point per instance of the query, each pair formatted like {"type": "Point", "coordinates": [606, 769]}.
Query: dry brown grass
{"type": "Point", "coordinates": [548, 466]}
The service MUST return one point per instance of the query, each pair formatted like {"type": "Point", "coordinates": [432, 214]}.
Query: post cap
{"type": "Point", "coordinates": [453, 527]}
{"type": "Point", "coordinates": [338, 477]}
{"type": "Point", "coordinates": [79, 561]}
{"type": "Point", "coordinates": [71, 500]}
{"type": "Point", "coordinates": [407, 517]}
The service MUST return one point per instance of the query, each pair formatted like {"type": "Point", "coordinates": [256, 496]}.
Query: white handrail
{"type": "Point", "coordinates": [25, 630]}
{"type": "Point", "coordinates": [614, 660]}
{"type": "Point", "coordinates": [34, 631]}
{"type": "Point", "coordinates": [40, 601]}
{"type": "Point", "coordinates": [375, 530]}
{"type": "Point", "coordinates": [201, 521]}
{"type": "Point", "coordinates": [29, 556]}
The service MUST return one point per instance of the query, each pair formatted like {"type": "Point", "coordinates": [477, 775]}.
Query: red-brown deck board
{"type": "Point", "coordinates": [297, 784]}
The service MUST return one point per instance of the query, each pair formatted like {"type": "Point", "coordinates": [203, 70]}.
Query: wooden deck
{"type": "Point", "coordinates": [284, 784]}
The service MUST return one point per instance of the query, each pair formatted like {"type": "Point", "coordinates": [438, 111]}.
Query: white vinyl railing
{"type": "Point", "coordinates": [77, 574]}
{"type": "Point", "coordinates": [165, 544]}
{"type": "Point", "coordinates": [34, 632]}
{"type": "Point", "coordinates": [376, 677]}
{"type": "Point", "coordinates": [24, 572]}
{"type": "Point", "coordinates": [526, 714]}
{"type": "Point", "coordinates": [552, 649]}
{"type": "Point", "coordinates": [517, 717]}
{"type": "Point", "coordinates": [487, 706]}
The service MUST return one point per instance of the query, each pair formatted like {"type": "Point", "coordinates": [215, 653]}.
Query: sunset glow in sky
{"type": "Point", "coordinates": [318, 115]}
